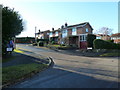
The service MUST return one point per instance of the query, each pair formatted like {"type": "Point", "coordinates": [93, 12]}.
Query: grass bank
{"type": "Point", "coordinates": [111, 55]}
{"type": "Point", "coordinates": [14, 73]}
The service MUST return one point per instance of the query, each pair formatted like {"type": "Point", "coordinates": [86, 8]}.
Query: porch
{"type": "Point", "coordinates": [78, 41]}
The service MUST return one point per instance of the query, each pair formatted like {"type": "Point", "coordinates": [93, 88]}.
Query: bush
{"type": "Point", "coordinates": [110, 40]}
{"type": "Point", "coordinates": [101, 44]}
{"type": "Point", "coordinates": [34, 44]}
{"type": "Point", "coordinates": [90, 39]}
{"type": "Point", "coordinates": [53, 42]}
{"type": "Point", "coordinates": [40, 43]}
{"type": "Point", "coordinates": [62, 44]}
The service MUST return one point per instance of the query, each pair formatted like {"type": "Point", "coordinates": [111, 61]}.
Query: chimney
{"type": "Point", "coordinates": [62, 27]}
{"type": "Point", "coordinates": [52, 29]}
{"type": "Point", "coordinates": [39, 30]}
{"type": "Point", "coordinates": [66, 24]}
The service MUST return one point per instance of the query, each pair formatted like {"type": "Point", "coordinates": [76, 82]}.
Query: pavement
{"type": "Point", "coordinates": [24, 58]}
{"type": "Point", "coordinates": [71, 71]}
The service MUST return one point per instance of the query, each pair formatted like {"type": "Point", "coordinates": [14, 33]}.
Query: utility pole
{"type": "Point", "coordinates": [35, 34]}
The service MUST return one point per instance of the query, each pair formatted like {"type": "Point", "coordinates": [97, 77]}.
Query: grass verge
{"type": "Point", "coordinates": [7, 59]}
{"type": "Point", "coordinates": [18, 51]}
{"type": "Point", "coordinates": [11, 57]}
{"type": "Point", "coordinates": [111, 54]}
{"type": "Point", "coordinates": [14, 73]}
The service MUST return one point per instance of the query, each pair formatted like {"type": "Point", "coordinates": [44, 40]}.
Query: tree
{"type": "Point", "coordinates": [12, 25]}
{"type": "Point", "coordinates": [104, 31]}
{"type": "Point", "coordinates": [90, 39]}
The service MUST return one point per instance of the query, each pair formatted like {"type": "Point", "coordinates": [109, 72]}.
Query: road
{"type": "Point", "coordinates": [70, 71]}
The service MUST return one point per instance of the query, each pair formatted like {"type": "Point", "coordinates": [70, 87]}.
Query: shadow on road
{"type": "Point", "coordinates": [60, 78]}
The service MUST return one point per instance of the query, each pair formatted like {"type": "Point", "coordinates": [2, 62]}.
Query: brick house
{"type": "Point", "coordinates": [103, 37]}
{"type": "Point", "coordinates": [55, 35]}
{"type": "Point", "coordinates": [43, 34]}
{"type": "Point", "coordinates": [116, 37]}
{"type": "Point", "coordinates": [75, 35]}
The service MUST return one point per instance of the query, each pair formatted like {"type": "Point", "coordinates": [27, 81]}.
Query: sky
{"type": "Point", "coordinates": [47, 15]}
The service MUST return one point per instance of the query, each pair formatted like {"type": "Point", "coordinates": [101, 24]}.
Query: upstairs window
{"type": "Point", "coordinates": [64, 33]}
{"type": "Point", "coordinates": [48, 33]}
{"type": "Point", "coordinates": [51, 33]}
{"type": "Point", "coordinates": [73, 29]}
{"type": "Point", "coordinates": [86, 29]}
{"type": "Point", "coordinates": [56, 32]}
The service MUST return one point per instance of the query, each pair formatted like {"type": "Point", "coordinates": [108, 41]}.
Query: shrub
{"type": "Point", "coordinates": [62, 44]}
{"type": "Point", "coordinates": [118, 46]}
{"type": "Point", "coordinates": [101, 44]}
{"type": "Point", "coordinates": [34, 44]}
{"type": "Point", "coordinates": [40, 43]}
{"type": "Point", "coordinates": [110, 40]}
{"type": "Point", "coordinates": [90, 39]}
{"type": "Point", "coordinates": [53, 42]}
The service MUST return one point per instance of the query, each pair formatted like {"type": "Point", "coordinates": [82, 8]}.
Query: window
{"type": "Point", "coordinates": [83, 37]}
{"type": "Point", "coordinates": [64, 33]}
{"type": "Point", "coordinates": [80, 38]}
{"type": "Point", "coordinates": [56, 32]}
{"type": "Point", "coordinates": [98, 37]}
{"type": "Point", "coordinates": [74, 31]}
{"type": "Point", "coordinates": [48, 33]}
{"type": "Point", "coordinates": [86, 29]}
{"type": "Point", "coordinates": [51, 33]}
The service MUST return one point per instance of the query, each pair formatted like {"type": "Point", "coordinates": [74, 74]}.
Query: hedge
{"type": "Point", "coordinates": [90, 39]}
{"type": "Point", "coordinates": [101, 44]}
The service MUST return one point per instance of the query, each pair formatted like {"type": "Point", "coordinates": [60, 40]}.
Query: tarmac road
{"type": "Point", "coordinates": [70, 71]}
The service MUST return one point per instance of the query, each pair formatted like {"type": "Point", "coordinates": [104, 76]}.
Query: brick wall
{"type": "Point", "coordinates": [69, 32]}
{"type": "Point", "coordinates": [82, 30]}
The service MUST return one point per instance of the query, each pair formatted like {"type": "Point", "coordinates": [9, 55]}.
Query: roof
{"type": "Point", "coordinates": [115, 35]}
{"type": "Point", "coordinates": [55, 30]}
{"type": "Point", "coordinates": [43, 32]}
{"type": "Point", "coordinates": [101, 35]}
{"type": "Point", "coordinates": [80, 25]}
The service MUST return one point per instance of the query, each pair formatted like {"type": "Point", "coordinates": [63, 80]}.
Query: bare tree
{"type": "Point", "coordinates": [105, 31]}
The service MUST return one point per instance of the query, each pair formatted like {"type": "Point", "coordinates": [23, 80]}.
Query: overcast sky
{"type": "Point", "coordinates": [45, 15]}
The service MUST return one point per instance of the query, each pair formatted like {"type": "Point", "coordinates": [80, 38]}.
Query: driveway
{"type": "Point", "coordinates": [71, 71]}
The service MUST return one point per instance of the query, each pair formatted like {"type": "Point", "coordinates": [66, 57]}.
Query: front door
{"type": "Point", "coordinates": [83, 42]}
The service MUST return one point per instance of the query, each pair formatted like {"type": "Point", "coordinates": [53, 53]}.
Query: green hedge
{"type": "Point", "coordinates": [101, 44]}
{"type": "Point", "coordinates": [110, 40]}
{"type": "Point", "coordinates": [90, 39]}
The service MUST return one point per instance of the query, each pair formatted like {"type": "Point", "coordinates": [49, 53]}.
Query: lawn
{"type": "Point", "coordinates": [13, 73]}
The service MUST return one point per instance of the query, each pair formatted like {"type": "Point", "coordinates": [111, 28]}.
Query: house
{"type": "Point", "coordinates": [116, 37]}
{"type": "Point", "coordinates": [75, 35]}
{"type": "Point", "coordinates": [103, 37]}
{"type": "Point", "coordinates": [55, 36]}
{"type": "Point", "coordinates": [43, 34]}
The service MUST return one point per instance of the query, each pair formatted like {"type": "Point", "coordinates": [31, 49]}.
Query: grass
{"type": "Point", "coordinates": [7, 59]}
{"type": "Point", "coordinates": [10, 57]}
{"type": "Point", "coordinates": [55, 45]}
{"type": "Point", "coordinates": [115, 54]}
{"type": "Point", "coordinates": [13, 73]}
{"type": "Point", "coordinates": [18, 51]}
